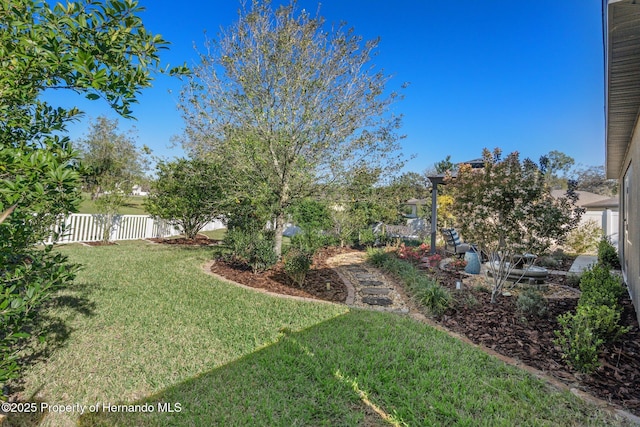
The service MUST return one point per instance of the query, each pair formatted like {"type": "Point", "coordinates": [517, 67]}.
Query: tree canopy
{"type": "Point", "coordinates": [289, 104]}
{"type": "Point", "coordinates": [100, 49]}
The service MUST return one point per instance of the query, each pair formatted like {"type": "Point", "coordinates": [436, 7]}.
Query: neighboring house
{"type": "Point", "coordinates": [601, 209]}
{"type": "Point", "coordinates": [137, 190]}
{"type": "Point", "coordinates": [621, 28]}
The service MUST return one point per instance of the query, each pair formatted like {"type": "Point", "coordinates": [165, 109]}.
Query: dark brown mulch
{"type": "Point", "coordinates": [100, 243]}
{"type": "Point", "coordinates": [502, 328]}
{"type": "Point", "coordinates": [199, 240]}
{"type": "Point", "coordinates": [275, 280]}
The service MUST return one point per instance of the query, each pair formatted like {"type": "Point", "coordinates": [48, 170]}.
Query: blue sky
{"type": "Point", "coordinates": [525, 76]}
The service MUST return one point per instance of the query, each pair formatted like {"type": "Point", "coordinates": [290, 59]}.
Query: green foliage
{"type": "Point", "coordinates": [297, 265]}
{"type": "Point", "coordinates": [428, 292]}
{"type": "Point", "coordinates": [323, 110]}
{"type": "Point", "coordinates": [434, 297]}
{"type": "Point", "coordinates": [366, 237]}
{"type": "Point", "coordinates": [532, 303]}
{"type": "Point", "coordinates": [311, 215]}
{"type": "Point", "coordinates": [188, 193]}
{"type": "Point", "coordinates": [600, 287]}
{"type": "Point", "coordinates": [584, 238]}
{"type": "Point", "coordinates": [506, 209]}
{"type": "Point", "coordinates": [596, 320]}
{"type": "Point", "coordinates": [251, 248]}
{"type": "Point", "coordinates": [578, 340]}
{"type": "Point", "coordinates": [607, 254]}
{"type": "Point", "coordinates": [100, 49]}
{"type": "Point", "coordinates": [110, 159]}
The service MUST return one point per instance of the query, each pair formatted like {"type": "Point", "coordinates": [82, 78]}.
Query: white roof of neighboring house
{"type": "Point", "coordinates": [584, 197]}
{"type": "Point", "coordinates": [612, 202]}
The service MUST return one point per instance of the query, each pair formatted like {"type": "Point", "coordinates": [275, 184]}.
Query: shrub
{"type": "Point", "coordinates": [457, 264]}
{"type": "Point", "coordinates": [585, 237]}
{"type": "Point", "coordinates": [413, 253]}
{"type": "Point", "coordinates": [310, 241]}
{"type": "Point", "coordinates": [604, 321]}
{"type": "Point", "coordinates": [607, 254]}
{"type": "Point", "coordinates": [600, 287]}
{"type": "Point", "coordinates": [377, 257]}
{"type": "Point", "coordinates": [297, 265]}
{"type": "Point", "coordinates": [532, 303]}
{"type": "Point", "coordinates": [435, 298]}
{"type": "Point", "coordinates": [548, 262]}
{"type": "Point", "coordinates": [254, 249]}
{"type": "Point", "coordinates": [366, 237]}
{"type": "Point", "coordinates": [578, 341]}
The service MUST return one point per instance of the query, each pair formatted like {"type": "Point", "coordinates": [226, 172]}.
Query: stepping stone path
{"type": "Point", "coordinates": [367, 287]}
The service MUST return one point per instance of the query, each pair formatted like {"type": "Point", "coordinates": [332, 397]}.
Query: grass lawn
{"type": "Point", "coordinates": [147, 326]}
{"type": "Point", "coordinates": [132, 206]}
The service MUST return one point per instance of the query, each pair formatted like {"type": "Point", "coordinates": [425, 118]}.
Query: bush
{"type": "Point", "coordinates": [607, 254]}
{"type": "Point", "coordinates": [531, 303]}
{"type": "Point", "coordinates": [254, 249]}
{"type": "Point", "coordinates": [297, 265]}
{"type": "Point", "coordinates": [435, 298]}
{"type": "Point", "coordinates": [578, 341]}
{"type": "Point", "coordinates": [604, 321]}
{"type": "Point", "coordinates": [600, 287]}
{"type": "Point", "coordinates": [585, 237]}
{"type": "Point", "coordinates": [311, 241]}
{"type": "Point", "coordinates": [366, 237]}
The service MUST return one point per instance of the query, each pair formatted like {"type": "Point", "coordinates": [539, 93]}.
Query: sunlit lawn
{"type": "Point", "coordinates": [148, 326]}
{"type": "Point", "coordinates": [132, 206]}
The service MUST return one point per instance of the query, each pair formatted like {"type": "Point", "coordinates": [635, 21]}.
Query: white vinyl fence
{"type": "Point", "coordinates": [89, 228]}
{"type": "Point", "coordinates": [607, 219]}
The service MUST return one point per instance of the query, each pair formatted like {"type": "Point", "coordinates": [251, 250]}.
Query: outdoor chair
{"type": "Point", "coordinates": [453, 244]}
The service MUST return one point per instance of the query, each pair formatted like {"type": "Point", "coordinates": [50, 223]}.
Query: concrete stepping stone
{"type": "Point", "coordinates": [376, 291]}
{"type": "Point", "coordinates": [367, 276]}
{"type": "Point", "coordinates": [382, 301]}
{"type": "Point", "coordinates": [369, 283]}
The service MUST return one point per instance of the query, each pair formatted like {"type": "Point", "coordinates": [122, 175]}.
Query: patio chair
{"type": "Point", "coordinates": [453, 244]}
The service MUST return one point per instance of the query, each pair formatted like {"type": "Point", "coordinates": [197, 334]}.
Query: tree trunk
{"type": "Point", "coordinates": [277, 246]}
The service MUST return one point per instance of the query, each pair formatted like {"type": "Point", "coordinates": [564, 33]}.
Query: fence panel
{"type": "Point", "coordinates": [89, 228]}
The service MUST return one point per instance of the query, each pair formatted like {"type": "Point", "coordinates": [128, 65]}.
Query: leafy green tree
{"type": "Point", "coordinates": [444, 166]}
{"type": "Point", "coordinates": [291, 104]}
{"type": "Point", "coordinates": [111, 160]}
{"type": "Point", "coordinates": [555, 166]}
{"type": "Point", "coordinates": [96, 48]}
{"type": "Point", "coordinates": [188, 193]}
{"type": "Point", "coordinates": [507, 210]}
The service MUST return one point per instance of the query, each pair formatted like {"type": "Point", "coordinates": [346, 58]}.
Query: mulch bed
{"type": "Point", "coordinates": [502, 328]}
{"type": "Point", "coordinates": [275, 280]}
{"type": "Point", "coordinates": [200, 240]}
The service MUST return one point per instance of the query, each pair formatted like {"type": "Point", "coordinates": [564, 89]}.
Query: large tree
{"type": "Point", "coordinates": [594, 180]}
{"type": "Point", "coordinates": [96, 48]}
{"type": "Point", "coordinates": [288, 102]}
{"type": "Point", "coordinates": [111, 160]}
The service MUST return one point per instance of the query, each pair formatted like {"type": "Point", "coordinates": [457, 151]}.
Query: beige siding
{"type": "Point", "coordinates": [631, 248]}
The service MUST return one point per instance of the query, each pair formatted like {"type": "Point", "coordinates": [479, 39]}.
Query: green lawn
{"type": "Point", "coordinates": [147, 326]}
{"type": "Point", "coordinates": [132, 206]}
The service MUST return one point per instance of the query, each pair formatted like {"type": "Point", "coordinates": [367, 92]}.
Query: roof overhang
{"type": "Point", "coordinates": [621, 22]}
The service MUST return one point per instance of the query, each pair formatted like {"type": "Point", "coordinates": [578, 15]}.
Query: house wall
{"type": "Point", "coordinates": [629, 243]}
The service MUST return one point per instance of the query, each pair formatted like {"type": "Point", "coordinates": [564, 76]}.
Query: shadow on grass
{"type": "Point", "coordinates": [285, 383]}
{"type": "Point", "coordinates": [360, 368]}
{"type": "Point", "coordinates": [49, 333]}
